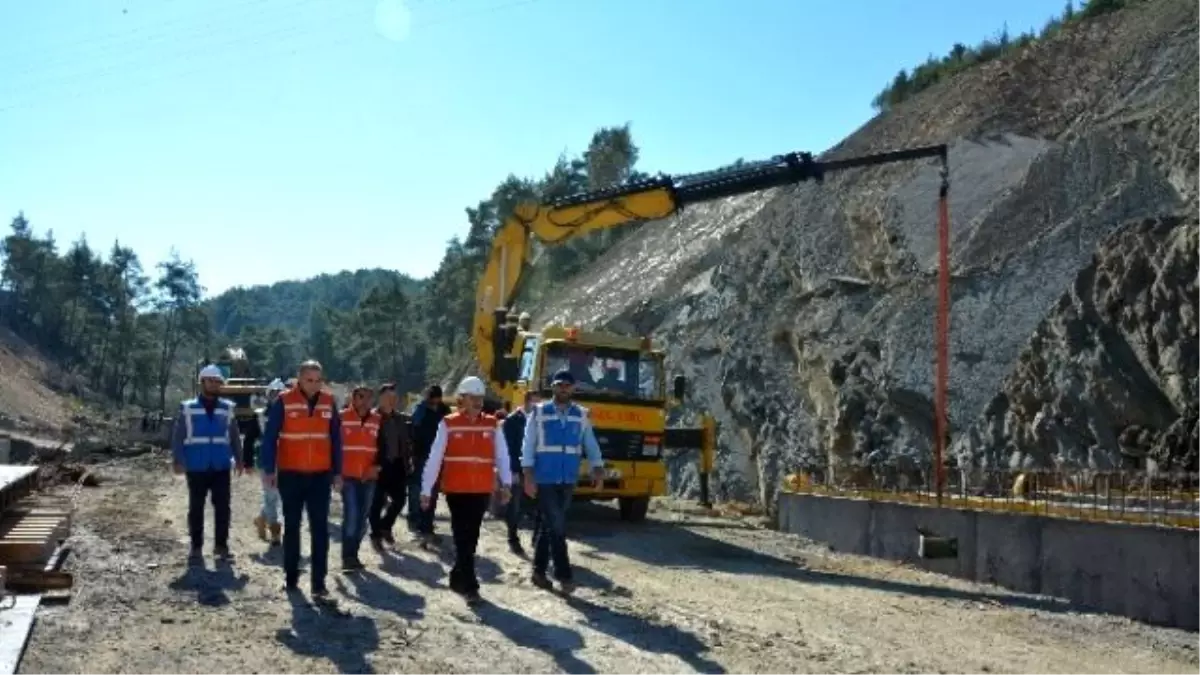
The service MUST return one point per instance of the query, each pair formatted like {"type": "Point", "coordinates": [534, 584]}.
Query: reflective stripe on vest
{"type": "Point", "coordinates": [304, 443]}
{"type": "Point", "coordinates": [196, 409]}
{"type": "Point", "coordinates": [559, 446]}
{"type": "Point", "coordinates": [206, 437]}
{"type": "Point", "coordinates": [359, 442]}
{"type": "Point", "coordinates": [468, 464]}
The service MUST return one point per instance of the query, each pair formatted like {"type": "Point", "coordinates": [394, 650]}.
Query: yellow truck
{"type": "Point", "coordinates": [622, 382]}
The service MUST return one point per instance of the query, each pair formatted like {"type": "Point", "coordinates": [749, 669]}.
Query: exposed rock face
{"type": "Point", "coordinates": [1108, 379]}
{"type": "Point", "coordinates": [804, 316]}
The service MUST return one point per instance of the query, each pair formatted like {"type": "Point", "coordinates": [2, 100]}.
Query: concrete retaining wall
{"type": "Point", "coordinates": [1143, 572]}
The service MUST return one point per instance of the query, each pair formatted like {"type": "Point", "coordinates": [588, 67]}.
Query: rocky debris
{"type": "Point", "coordinates": [804, 316]}
{"type": "Point", "coordinates": [1108, 380]}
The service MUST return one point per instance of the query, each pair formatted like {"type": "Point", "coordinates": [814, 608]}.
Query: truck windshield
{"type": "Point", "coordinates": [606, 372]}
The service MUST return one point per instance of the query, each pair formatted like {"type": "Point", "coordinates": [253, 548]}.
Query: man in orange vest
{"type": "Point", "coordinates": [360, 469]}
{"type": "Point", "coordinates": [468, 454]}
{"type": "Point", "coordinates": [302, 456]}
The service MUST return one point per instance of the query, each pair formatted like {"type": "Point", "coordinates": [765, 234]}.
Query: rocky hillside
{"type": "Point", "coordinates": [804, 316]}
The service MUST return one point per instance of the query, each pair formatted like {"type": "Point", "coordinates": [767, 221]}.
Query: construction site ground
{"type": "Point", "coordinates": [682, 592]}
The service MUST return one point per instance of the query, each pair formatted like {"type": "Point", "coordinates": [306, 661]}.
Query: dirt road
{"type": "Point", "coordinates": [680, 593]}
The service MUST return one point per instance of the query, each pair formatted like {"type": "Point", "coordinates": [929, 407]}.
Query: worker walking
{"type": "Point", "coordinates": [268, 516]}
{"type": "Point", "coordinates": [206, 446]}
{"type": "Point", "coordinates": [426, 417]}
{"type": "Point", "coordinates": [302, 456]}
{"type": "Point", "coordinates": [360, 468]}
{"type": "Point", "coordinates": [555, 434]}
{"type": "Point", "coordinates": [467, 453]}
{"type": "Point", "coordinates": [395, 467]}
{"type": "Point", "coordinates": [513, 428]}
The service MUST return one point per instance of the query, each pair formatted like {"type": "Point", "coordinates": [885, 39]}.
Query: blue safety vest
{"type": "Point", "coordinates": [559, 444]}
{"type": "Point", "coordinates": [206, 443]}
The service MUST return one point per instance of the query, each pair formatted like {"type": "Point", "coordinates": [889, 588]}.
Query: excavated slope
{"type": "Point", "coordinates": [804, 316]}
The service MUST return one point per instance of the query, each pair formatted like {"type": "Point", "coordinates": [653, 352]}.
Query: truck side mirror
{"type": "Point", "coordinates": [680, 387]}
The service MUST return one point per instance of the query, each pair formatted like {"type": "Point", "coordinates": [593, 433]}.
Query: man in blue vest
{"type": "Point", "coordinates": [556, 434]}
{"type": "Point", "coordinates": [206, 447]}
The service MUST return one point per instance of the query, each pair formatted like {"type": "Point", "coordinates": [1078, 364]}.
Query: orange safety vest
{"type": "Point", "coordinates": [469, 463]}
{"type": "Point", "coordinates": [359, 438]}
{"type": "Point", "coordinates": [304, 443]}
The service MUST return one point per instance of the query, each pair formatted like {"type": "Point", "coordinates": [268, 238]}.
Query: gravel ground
{"type": "Point", "coordinates": [684, 592]}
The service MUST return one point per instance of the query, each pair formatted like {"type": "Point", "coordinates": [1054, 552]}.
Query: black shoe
{"type": "Point", "coordinates": [195, 555]}
{"type": "Point", "coordinates": [389, 538]}
{"type": "Point", "coordinates": [320, 592]}
{"type": "Point", "coordinates": [566, 587]}
{"type": "Point", "coordinates": [541, 581]}
{"type": "Point", "coordinates": [472, 597]}
{"type": "Point", "coordinates": [291, 587]}
{"type": "Point", "coordinates": [377, 543]}
{"type": "Point", "coordinates": [222, 552]}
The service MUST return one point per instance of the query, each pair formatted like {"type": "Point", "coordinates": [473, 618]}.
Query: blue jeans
{"type": "Point", "coordinates": [302, 492]}
{"type": "Point", "coordinates": [550, 537]}
{"type": "Point", "coordinates": [356, 503]}
{"type": "Point", "coordinates": [270, 504]}
{"type": "Point", "coordinates": [420, 521]}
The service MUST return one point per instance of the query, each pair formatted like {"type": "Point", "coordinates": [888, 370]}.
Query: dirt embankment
{"type": "Point", "coordinates": [681, 593]}
{"type": "Point", "coordinates": [27, 401]}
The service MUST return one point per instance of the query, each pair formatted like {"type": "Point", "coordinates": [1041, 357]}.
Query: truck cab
{"type": "Point", "coordinates": [621, 381]}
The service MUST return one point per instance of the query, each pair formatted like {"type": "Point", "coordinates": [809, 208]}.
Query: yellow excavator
{"type": "Point", "coordinates": [620, 379]}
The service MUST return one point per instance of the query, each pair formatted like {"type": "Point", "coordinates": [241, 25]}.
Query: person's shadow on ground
{"type": "Point", "coordinates": [412, 567]}
{"type": "Point", "coordinates": [210, 585]}
{"type": "Point", "coordinates": [651, 637]}
{"type": "Point", "coordinates": [371, 590]}
{"type": "Point", "coordinates": [555, 641]}
{"type": "Point", "coordinates": [324, 631]}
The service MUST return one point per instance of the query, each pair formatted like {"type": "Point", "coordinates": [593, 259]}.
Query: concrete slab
{"type": "Point", "coordinates": [1144, 572]}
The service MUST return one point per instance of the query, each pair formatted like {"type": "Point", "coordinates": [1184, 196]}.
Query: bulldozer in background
{"type": "Point", "coordinates": [240, 386]}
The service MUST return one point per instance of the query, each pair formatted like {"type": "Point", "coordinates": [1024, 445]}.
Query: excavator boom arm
{"type": "Point", "coordinates": [559, 220]}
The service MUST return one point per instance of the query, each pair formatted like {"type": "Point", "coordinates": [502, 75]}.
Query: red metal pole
{"type": "Point", "coordinates": [942, 379]}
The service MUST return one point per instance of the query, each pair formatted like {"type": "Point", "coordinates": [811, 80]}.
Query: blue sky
{"type": "Point", "coordinates": [279, 139]}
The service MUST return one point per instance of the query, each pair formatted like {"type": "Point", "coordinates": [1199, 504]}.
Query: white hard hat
{"type": "Point", "coordinates": [472, 386]}
{"type": "Point", "coordinates": [211, 371]}
{"type": "Point", "coordinates": [276, 385]}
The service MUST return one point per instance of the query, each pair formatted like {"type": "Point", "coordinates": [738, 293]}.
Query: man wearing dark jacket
{"type": "Point", "coordinates": [426, 417]}
{"type": "Point", "coordinates": [395, 458]}
{"type": "Point", "coordinates": [513, 427]}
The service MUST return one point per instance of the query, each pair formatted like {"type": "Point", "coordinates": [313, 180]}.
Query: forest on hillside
{"type": "Point", "coordinates": [132, 334]}
{"type": "Point", "coordinates": [907, 84]}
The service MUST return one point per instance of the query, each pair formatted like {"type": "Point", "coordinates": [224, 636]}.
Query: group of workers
{"type": "Point", "coordinates": [381, 460]}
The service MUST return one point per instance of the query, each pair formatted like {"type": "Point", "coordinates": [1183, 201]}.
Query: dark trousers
{"type": "Point", "coordinates": [512, 512]}
{"type": "Point", "coordinates": [550, 535]}
{"type": "Point", "coordinates": [466, 517]}
{"type": "Point", "coordinates": [302, 492]}
{"type": "Point", "coordinates": [420, 520]}
{"type": "Point", "coordinates": [389, 501]}
{"type": "Point", "coordinates": [202, 484]}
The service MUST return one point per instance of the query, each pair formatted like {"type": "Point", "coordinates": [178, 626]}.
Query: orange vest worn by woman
{"type": "Point", "coordinates": [360, 436]}
{"type": "Point", "coordinates": [304, 443]}
{"type": "Point", "coordinates": [469, 463]}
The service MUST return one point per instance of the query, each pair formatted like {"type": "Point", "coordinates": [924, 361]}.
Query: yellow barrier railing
{"type": "Point", "coordinates": [1166, 500]}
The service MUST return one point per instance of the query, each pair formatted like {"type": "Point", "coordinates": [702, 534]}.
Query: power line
{"type": "Point", "coordinates": [98, 76]}
{"type": "Point", "coordinates": [148, 29]}
{"type": "Point", "coordinates": [68, 51]}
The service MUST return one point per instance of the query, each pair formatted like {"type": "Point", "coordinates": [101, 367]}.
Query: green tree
{"type": "Point", "coordinates": [177, 300]}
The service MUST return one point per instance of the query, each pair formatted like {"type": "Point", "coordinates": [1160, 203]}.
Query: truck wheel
{"type": "Point", "coordinates": [633, 509]}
